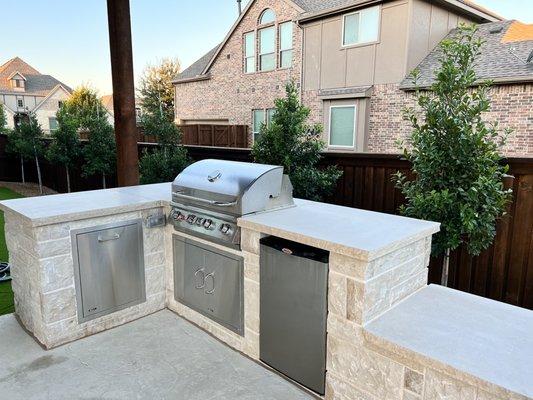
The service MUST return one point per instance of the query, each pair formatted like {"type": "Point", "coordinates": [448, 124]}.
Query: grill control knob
{"type": "Point", "coordinates": [191, 218]}
{"type": "Point", "coordinates": [225, 229]}
{"type": "Point", "coordinates": [200, 221]}
{"type": "Point", "coordinates": [208, 224]}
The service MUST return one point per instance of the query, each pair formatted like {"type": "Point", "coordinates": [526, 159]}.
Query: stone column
{"type": "Point", "coordinates": [359, 291]}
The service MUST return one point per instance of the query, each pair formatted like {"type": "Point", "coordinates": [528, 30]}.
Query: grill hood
{"type": "Point", "coordinates": [232, 187]}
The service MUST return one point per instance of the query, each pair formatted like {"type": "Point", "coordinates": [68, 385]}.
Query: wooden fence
{"type": "Point", "coordinates": [208, 135]}
{"type": "Point", "coordinates": [504, 272]}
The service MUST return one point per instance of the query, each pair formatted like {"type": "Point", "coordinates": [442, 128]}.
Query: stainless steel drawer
{"type": "Point", "coordinates": [109, 268]}
{"type": "Point", "coordinates": [209, 281]}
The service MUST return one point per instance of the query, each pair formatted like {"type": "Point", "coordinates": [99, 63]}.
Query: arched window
{"type": "Point", "coordinates": [268, 16]}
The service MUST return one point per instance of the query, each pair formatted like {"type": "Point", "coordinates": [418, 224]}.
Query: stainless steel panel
{"type": "Point", "coordinates": [109, 268]}
{"type": "Point", "coordinates": [293, 313]}
{"type": "Point", "coordinates": [230, 187]}
{"type": "Point", "coordinates": [209, 281]}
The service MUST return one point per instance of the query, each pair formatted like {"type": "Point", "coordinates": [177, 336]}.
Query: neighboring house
{"type": "Point", "coordinates": [349, 58]}
{"type": "Point", "coordinates": [507, 59]}
{"type": "Point", "coordinates": [107, 101]}
{"type": "Point", "coordinates": [24, 90]}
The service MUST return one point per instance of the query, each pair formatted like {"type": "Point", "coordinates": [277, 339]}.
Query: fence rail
{"type": "Point", "coordinates": [504, 272]}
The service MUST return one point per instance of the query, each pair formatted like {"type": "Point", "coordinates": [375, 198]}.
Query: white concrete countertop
{"type": "Point", "coordinates": [350, 231]}
{"type": "Point", "coordinates": [46, 210]}
{"type": "Point", "coordinates": [487, 339]}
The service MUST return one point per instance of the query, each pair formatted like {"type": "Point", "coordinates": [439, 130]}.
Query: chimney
{"type": "Point", "coordinates": [239, 7]}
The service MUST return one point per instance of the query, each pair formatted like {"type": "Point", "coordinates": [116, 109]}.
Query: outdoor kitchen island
{"type": "Point", "coordinates": [377, 263]}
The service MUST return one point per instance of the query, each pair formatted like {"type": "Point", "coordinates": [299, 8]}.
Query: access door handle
{"type": "Point", "coordinates": [202, 279]}
{"type": "Point", "coordinates": [212, 276]}
{"type": "Point", "coordinates": [102, 239]}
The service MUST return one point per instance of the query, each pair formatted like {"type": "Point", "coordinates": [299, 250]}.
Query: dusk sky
{"type": "Point", "coordinates": [69, 39]}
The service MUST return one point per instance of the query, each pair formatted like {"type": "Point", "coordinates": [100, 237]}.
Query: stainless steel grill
{"type": "Point", "coordinates": [209, 196]}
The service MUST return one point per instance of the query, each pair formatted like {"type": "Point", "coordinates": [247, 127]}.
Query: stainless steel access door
{"type": "Point", "coordinates": [209, 281]}
{"type": "Point", "coordinates": [109, 268]}
{"type": "Point", "coordinates": [293, 310]}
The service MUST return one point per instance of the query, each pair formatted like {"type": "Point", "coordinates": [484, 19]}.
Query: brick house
{"type": "Point", "coordinates": [24, 90]}
{"type": "Point", "coordinates": [350, 59]}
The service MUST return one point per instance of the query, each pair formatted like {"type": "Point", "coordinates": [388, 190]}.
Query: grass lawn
{"type": "Point", "coordinates": [6, 294]}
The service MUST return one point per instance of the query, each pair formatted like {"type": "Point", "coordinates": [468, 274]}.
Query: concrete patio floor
{"type": "Point", "coordinates": [160, 356]}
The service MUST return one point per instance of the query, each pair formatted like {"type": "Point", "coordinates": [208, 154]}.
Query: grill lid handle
{"type": "Point", "coordinates": [210, 202]}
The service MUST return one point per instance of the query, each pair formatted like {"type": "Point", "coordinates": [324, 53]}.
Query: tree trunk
{"type": "Point", "coordinates": [22, 169]}
{"type": "Point", "coordinates": [68, 179]}
{"type": "Point", "coordinates": [39, 174]}
{"type": "Point", "coordinates": [103, 181]}
{"type": "Point", "coordinates": [445, 268]}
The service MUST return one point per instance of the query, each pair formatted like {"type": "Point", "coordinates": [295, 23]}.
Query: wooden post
{"type": "Point", "coordinates": [118, 13]}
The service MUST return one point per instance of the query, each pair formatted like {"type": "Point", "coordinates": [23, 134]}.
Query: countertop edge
{"type": "Point", "coordinates": [70, 217]}
{"type": "Point", "coordinates": [339, 248]}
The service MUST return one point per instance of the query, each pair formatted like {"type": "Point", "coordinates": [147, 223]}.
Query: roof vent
{"type": "Point", "coordinates": [496, 29]}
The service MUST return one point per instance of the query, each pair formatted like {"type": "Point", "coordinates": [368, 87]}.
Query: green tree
{"type": "Point", "coordinates": [289, 141]}
{"type": "Point", "coordinates": [85, 106]}
{"type": "Point", "coordinates": [3, 120]}
{"type": "Point", "coordinates": [156, 88]}
{"type": "Point", "coordinates": [100, 151]}
{"type": "Point", "coordinates": [169, 158]}
{"type": "Point", "coordinates": [65, 149]}
{"type": "Point", "coordinates": [26, 141]}
{"type": "Point", "coordinates": [454, 153]}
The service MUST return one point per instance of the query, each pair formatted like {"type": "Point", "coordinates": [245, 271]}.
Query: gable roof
{"type": "Point", "coordinates": [196, 69]}
{"type": "Point", "coordinates": [500, 60]}
{"type": "Point", "coordinates": [36, 83]}
{"type": "Point", "coordinates": [310, 10]}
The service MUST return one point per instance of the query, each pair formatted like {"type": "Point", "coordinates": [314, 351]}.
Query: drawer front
{"type": "Point", "coordinates": [110, 269]}
{"type": "Point", "coordinates": [210, 281]}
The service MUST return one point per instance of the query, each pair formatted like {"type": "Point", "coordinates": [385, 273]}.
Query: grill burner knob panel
{"type": "Point", "coordinates": [205, 225]}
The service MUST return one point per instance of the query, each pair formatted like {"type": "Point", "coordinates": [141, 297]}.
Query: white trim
{"type": "Point", "coordinates": [336, 146]}
{"type": "Point", "coordinates": [16, 73]}
{"type": "Point", "coordinates": [254, 56]}
{"type": "Point", "coordinates": [59, 86]}
{"type": "Point", "coordinates": [274, 53]}
{"type": "Point", "coordinates": [344, 45]}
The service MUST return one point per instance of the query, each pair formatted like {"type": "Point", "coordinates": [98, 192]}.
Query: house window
{"type": "Point", "coordinates": [260, 117]}
{"type": "Point", "coordinates": [285, 45]}
{"type": "Point", "coordinates": [20, 103]}
{"type": "Point", "coordinates": [361, 26]}
{"type": "Point", "coordinates": [19, 83]}
{"type": "Point", "coordinates": [267, 17]}
{"type": "Point", "coordinates": [249, 52]}
{"type": "Point", "coordinates": [52, 122]}
{"type": "Point", "coordinates": [59, 104]}
{"type": "Point", "coordinates": [342, 126]}
{"type": "Point", "coordinates": [267, 49]}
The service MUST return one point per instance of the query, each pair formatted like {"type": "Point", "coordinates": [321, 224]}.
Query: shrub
{"type": "Point", "coordinates": [289, 141]}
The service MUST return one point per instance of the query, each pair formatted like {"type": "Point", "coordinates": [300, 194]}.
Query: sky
{"type": "Point", "coordinates": [69, 38]}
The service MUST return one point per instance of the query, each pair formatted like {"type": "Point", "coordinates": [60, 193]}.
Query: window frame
{"type": "Point", "coordinates": [274, 53]}
{"type": "Point", "coordinates": [281, 50]}
{"type": "Point", "coordinates": [50, 125]}
{"type": "Point", "coordinates": [260, 20]}
{"type": "Point", "coordinates": [354, 141]}
{"type": "Point", "coordinates": [245, 58]}
{"type": "Point", "coordinates": [266, 119]}
{"type": "Point", "coordinates": [20, 101]}
{"type": "Point", "coordinates": [346, 45]}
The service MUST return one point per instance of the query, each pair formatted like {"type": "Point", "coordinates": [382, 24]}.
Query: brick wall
{"type": "Point", "coordinates": [511, 108]}
{"type": "Point", "coordinates": [230, 93]}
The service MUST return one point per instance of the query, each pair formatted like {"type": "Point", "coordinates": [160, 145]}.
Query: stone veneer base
{"type": "Point", "coordinates": [361, 289]}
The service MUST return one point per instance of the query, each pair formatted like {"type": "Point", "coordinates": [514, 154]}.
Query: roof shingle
{"type": "Point", "coordinates": [499, 61]}
{"type": "Point", "coordinates": [36, 83]}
